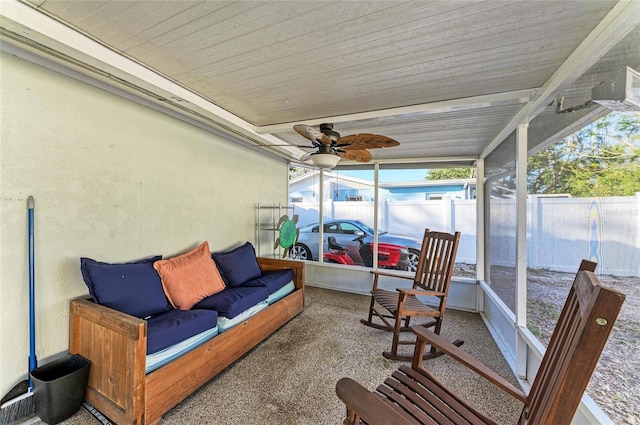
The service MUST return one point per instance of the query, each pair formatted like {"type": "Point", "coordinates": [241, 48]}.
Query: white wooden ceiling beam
{"type": "Point", "coordinates": [622, 18]}
{"type": "Point", "coordinates": [453, 105]}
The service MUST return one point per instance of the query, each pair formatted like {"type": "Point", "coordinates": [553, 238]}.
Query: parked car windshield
{"type": "Point", "coordinates": [339, 224]}
{"type": "Point", "coordinates": [367, 228]}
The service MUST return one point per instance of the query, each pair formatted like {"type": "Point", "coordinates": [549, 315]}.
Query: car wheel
{"type": "Point", "coordinates": [300, 252]}
{"type": "Point", "coordinates": [414, 257]}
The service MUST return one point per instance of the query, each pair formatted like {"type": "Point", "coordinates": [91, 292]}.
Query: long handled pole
{"type": "Point", "coordinates": [33, 361]}
{"type": "Point", "coordinates": [19, 403]}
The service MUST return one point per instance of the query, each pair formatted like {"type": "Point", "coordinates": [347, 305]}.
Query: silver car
{"type": "Point", "coordinates": [345, 231]}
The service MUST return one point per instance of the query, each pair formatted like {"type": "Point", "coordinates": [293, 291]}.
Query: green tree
{"type": "Point", "coordinates": [297, 171]}
{"type": "Point", "coordinates": [450, 173]}
{"type": "Point", "coordinates": [603, 159]}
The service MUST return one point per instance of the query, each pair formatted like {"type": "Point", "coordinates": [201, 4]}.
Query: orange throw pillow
{"type": "Point", "coordinates": [189, 278]}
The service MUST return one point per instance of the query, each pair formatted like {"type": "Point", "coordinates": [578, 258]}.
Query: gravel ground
{"type": "Point", "coordinates": [615, 384]}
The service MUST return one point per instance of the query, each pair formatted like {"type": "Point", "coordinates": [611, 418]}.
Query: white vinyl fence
{"type": "Point", "coordinates": [560, 231]}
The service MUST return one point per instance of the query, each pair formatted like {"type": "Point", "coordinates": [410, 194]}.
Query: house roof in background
{"type": "Point", "coordinates": [447, 79]}
{"type": "Point", "coordinates": [429, 183]}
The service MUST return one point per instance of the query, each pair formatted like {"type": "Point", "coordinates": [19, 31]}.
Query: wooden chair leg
{"type": "Point", "coordinates": [386, 326]}
{"type": "Point", "coordinates": [396, 336]}
{"type": "Point", "coordinates": [407, 319]}
{"type": "Point", "coordinates": [432, 353]}
{"type": "Point", "coordinates": [397, 329]}
{"type": "Point", "coordinates": [371, 306]}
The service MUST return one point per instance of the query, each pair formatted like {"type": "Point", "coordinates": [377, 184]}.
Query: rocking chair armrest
{"type": "Point", "coordinates": [421, 292]}
{"type": "Point", "coordinates": [388, 274]}
{"type": "Point", "coordinates": [368, 406]}
{"type": "Point", "coordinates": [465, 358]}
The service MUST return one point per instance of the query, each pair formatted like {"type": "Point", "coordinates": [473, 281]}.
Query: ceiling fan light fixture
{"type": "Point", "coordinates": [325, 160]}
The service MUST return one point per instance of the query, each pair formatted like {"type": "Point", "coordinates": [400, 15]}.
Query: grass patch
{"type": "Point", "coordinates": [535, 330]}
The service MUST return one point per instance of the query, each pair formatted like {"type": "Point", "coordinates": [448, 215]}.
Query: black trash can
{"type": "Point", "coordinates": [59, 387]}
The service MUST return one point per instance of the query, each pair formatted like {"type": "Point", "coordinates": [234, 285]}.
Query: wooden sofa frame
{"type": "Point", "coordinates": [116, 345]}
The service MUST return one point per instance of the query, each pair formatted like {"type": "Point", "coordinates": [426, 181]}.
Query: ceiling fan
{"type": "Point", "coordinates": [331, 146]}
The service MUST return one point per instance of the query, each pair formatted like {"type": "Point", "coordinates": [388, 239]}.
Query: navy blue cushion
{"type": "Point", "coordinates": [233, 301]}
{"type": "Point", "coordinates": [84, 269]}
{"type": "Point", "coordinates": [272, 280]}
{"type": "Point", "coordinates": [132, 288]}
{"type": "Point", "coordinates": [174, 326]}
{"type": "Point", "coordinates": [238, 265]}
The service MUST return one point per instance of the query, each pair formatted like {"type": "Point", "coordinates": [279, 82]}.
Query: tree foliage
{"type": "Point", "coordinates": [450, 173]}
{"type": "Point", "coordinates": [297, 171]}
{"type": "Point", "coordinates": [603, 159]}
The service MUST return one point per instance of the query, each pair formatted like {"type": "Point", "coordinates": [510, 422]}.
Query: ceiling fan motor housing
{"type": "Point", "coordinates": [326, 149]}
{"type": "Point", "coordinates": [327, 129]}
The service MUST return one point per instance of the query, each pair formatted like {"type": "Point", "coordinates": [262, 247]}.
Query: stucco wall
{"type": "Point", "coordinates": [112, 180]}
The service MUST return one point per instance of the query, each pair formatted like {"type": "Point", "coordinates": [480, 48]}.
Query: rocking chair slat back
{"type": "Point", "coordinates": [437, 260]}
{"type": "Point", "coordinates": [394, 309]}
{"type": "Point", "coordinates": [413, 394]}
{"type": "Point", "coordinates": [573, 352]}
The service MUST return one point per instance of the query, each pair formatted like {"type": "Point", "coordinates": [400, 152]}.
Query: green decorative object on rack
{"type": "Point", "coordinates": [288, 234]}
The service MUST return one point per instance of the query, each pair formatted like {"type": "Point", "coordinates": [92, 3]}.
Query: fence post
{"type": "Point", "coordinates": [385, 214]}
{"type": "Point", "coordinates": [449, 219]}
{"type": "Point", "coordinates": [533, 258]}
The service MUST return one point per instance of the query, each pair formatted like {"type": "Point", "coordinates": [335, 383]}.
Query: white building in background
{"type": "Point", "coordinates": [338, 187]}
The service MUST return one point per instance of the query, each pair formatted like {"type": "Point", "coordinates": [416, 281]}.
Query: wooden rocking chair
{"type": "Point", "coordinates": [414, 396]}
{"type": "Point", "coordinates": [432, 279]}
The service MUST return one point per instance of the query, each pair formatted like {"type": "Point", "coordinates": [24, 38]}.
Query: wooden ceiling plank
{"type": "Point", "coordinates": [413, 45]}
{"type": "Point", "coordinates": [210, 29]}
{"type": "Point", "coordinates": [318, 49]}
{"type": "Point", "coordinates": [54, 7]}
{"type": "Point", "coordinates": [103, 12]}
{"type": "Point", "coordinates": [228, 38]}
{"type": "Point", "coordinates": [184, 22]}
{"type": "Point", "coordinates": [143, 17]}
{"type": "Point", "coordinates": [361, 75]}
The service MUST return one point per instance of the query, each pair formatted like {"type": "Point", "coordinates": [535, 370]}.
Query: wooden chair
{"type": "Point", "coordinates": [432, 278]}
{"type": "Point", "coordinates": [414, 396]}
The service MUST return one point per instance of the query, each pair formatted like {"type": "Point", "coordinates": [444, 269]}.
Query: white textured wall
{"type": "Point", "coordinates": [112, 180]}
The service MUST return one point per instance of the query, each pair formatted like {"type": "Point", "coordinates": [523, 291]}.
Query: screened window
{"type": "Point", "coordinates": [411, 198]}
{"type": "Point", "coordinates": [500, 214]}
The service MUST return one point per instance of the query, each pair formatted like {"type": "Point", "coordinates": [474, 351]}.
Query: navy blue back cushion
{"type": "Point", "coordinates": [132, 288]}
{"type": "Point", "coordinates": [233, 301]}
{"type": "Point", "coordinates": [175, 326]}
{"type": "Point", "coordinates": [238, 265]}
{"type": "Point", "coordinates": [272, 280]}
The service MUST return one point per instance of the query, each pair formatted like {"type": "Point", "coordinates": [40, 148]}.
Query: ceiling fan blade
{"type": "Point", "coordinates": [366, 141]}
{"type": "Point", "coordinates": [307, 132]}
{"type": "Point", "coordinates": [290, 146]}
{"type": "Point", "coordinates": [361, 155]}
{"type": "Point", "coordinates": [312, 134]}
